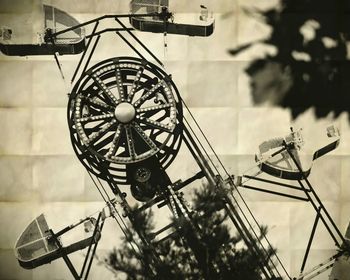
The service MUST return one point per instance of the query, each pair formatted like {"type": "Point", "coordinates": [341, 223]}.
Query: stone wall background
{"type": "Point", "coordinates": [39, 171]}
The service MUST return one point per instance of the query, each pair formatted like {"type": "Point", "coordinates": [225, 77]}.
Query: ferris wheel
{"type": "Point", "coordinates": [127, 124]}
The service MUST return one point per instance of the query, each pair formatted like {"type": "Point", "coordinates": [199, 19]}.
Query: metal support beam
{"type": "Point", "coordinates": [247, 238]}
{"type": "Point", "coordinates": [319, 202]}
{"type": "Point", "coordinates": [91, 53]}
{"type": "Point", "coordinates": [85, 51]}
{"type": "Point", "coordinates": [310, 240]}
{"type": "Point", "coordinates": [274, 192]}
{"type": "Point", "coordinates": [64, 255]}
{"type": "Point", "coordinates": [198, 156]}
{"type": "Point", "coordinates": [102, 18]}
{"type": "Point", "coordinates": [94, 245]}
{"type": "Point", "coordinates": [138, 40]}
{"type": "Point", "coordinates": [273, 182]}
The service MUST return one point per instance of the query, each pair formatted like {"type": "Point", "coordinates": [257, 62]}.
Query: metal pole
{"type": "Point", "coordinates": [318, 200]}
{"type": "Point", "coordinates": [310, 240]}
{"type": "Point", "coordinates": [64, 256]}
{"type": "Point", "coordinates": [101, 18]}
{"type": "Point", "coordinates": [275, 193]}
{"type": "Point", "coordinates": [84, 53]}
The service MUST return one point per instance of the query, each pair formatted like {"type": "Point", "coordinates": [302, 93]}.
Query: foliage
{"type": "Point", "coordinates": [184, 258]}
{"type": "Point", "coordinates": [311, 66]}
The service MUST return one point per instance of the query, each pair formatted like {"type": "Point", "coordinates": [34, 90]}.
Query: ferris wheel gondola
{"type": "Point", "coordinates": [274, 159]}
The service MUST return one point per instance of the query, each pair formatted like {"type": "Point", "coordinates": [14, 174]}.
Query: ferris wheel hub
{"type": "Point", "coordinates": [124, 112]}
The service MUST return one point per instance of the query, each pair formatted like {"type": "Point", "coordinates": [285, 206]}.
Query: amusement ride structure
{"type": "Point", "coordinates": [127, 123]}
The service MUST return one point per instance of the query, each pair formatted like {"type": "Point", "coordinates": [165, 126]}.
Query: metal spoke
{"type": "Point", "coordinates": [144, 136]}
{"type": "Point", "coordinates": [153, 108]}
{"type": "Point", "coordinates": [137, 130]}
{"type": "Point", "coordinates": [98, 103]}
{"type": "Point", "coordinates": [95, 136]}
{"type": "Point", "coordinates": [167, 149]}
{"type": "Point", "coordinates": [156, 124]}
{"type": "Point", "coordinates": [151, 91]}
{"type": "Point", "coordinates": [119, 81]}
{"type": "Point", "coordinates": [114, 145]}
{"type": "Point", "coordinates": [105, 89]}
{"type": "Point", "coordinates": [104, 98]}
{"type": "Point", "coordinates": [135, 83]}
{"type": "Point", "coordinates": [130, 141]}
{"type": "Point", "coordinates": [101, 145]}
{"type": "Point", "coordinates": [95, 118]}
{"type": "Point", "coordinates": [93, 129]}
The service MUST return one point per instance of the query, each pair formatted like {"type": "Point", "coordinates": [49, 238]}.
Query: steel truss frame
{"type": "Point", "coordinates": [305, 192]}
{"type": "Point", "coordinates": [85, 269]}
{"type": "Point", "coordinates": [234, 204]}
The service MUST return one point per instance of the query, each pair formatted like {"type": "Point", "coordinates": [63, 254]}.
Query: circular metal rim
{"type": "Point", "coordinates": [100, 166]}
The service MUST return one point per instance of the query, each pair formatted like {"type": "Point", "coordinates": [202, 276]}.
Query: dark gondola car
{"type": "Point", "coordinates": [36, 245]}
{"type": "Point", "coordinates": [274, 159]}
{"type": "Point", "coordinates": [18, 38]}
{"type": "Point", "coordinates": [202, 25]}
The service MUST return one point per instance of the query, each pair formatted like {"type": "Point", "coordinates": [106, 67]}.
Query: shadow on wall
{"type": "Point", "coordinates": [311, 67]}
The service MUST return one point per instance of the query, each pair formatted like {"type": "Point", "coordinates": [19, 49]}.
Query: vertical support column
{"type": "Point", "coordinates": [64, 256]}
{"type": "Point", "coordinates": [248, 239]}
{"type": "Point", "coordinates": [318, 201]}
{"type": "Point", "coordinates": [230, 208]}
{"type": "Point", "coordinates": [198, 156]}
{"type": "Point", "coordinates": [310, 240]}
